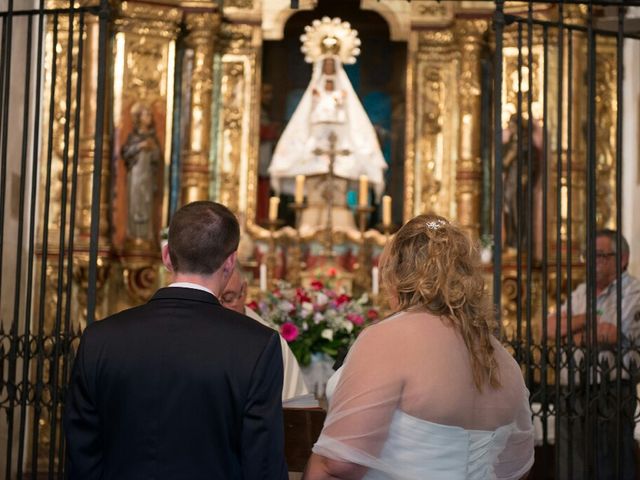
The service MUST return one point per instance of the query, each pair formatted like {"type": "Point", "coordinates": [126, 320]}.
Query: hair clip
{"type": "Point", "coordinates": [435, 224]}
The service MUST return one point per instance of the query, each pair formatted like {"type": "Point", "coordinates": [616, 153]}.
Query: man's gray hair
{"type": "Point", "coordinates": [612, 235]}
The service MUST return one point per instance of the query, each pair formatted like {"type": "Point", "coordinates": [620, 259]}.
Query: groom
{"type": "Point", "coordinates": [180, 387]}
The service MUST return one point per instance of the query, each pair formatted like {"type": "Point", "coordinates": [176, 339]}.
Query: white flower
{"type": "Point", "coordinates": [327, 333]}
{"type": "Point", "coordinates": [305, 326]}
{"type": "Point", "coordinates": [322, 299]}
{"type": "Point", "coordinates": [318, 317]}
{"type": "Point", "coordinates": [306, 308]}
{"type": "Point", "coordinates": [285, 306]}
{"type": "Point", "coordinates": [348, 326]}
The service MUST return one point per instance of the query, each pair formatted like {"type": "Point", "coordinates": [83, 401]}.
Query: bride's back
{"type": "Point", "coordinates": [438, 384]}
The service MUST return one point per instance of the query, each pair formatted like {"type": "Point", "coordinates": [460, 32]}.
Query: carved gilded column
{"type": "Point", "coordinates": [606, 114]}
{"type": "Point", "coordinates": [235, 152]}
{"type": "Point", "coordinates": [470, 37]}
{"type": "Point", "coordinates": [202, 29]}
{"type": "Point", "coordinates": [432, 174]}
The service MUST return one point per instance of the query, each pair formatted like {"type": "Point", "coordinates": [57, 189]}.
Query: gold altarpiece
{"type": "Point", "coordinates": [218, 138]}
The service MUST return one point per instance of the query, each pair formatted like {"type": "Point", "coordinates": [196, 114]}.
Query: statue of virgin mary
{"type": "Point", "coordinates": [329, 107]}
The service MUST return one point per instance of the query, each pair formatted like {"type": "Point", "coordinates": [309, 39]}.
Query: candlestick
{"type": "Point", "coordinates": [263, 277]}
{"type": "Point", "coordinates": [375, 280]}
{"type": "Point", "coordinates": [299, 196]}
{"type": "Point", "coordinates": [363, 191]}
{"type": "Point", "coordinates": [274, 202]}
{"type": "Point", "coordinates": [386, 211]}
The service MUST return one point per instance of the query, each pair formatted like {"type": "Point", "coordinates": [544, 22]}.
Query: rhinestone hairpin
{"type": "Point", "coordinates": [435, 224]}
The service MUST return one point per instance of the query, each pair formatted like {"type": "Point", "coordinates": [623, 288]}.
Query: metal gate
{"type": "Point", "coordinates": [557, 184]}
{"type": "Point", "coordinates": [48, 250]}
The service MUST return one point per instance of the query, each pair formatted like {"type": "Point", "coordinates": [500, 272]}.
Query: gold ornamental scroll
{"type": "Point", "coordinates": [470, 36]}
{"type": "Point", "coordinates": [201, 37]}
{"type": "Point", "coordinates": [431, 176]}
{"type": "Point", "coordinates": [143, 79]}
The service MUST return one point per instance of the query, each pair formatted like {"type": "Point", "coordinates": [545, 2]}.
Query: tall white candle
{"type": "Point", "coordinates": [299, 196]}
{"type": "Point", "coordinates": [363, 191]}
{"type": "Point", "coordinates": [375, 280]}
{"type": "Point", "coordinates": [386, 211]}
{"type": "Point", "coordinates": [263, 277]}
{"type": "Point", "coordinates": [274, 202]}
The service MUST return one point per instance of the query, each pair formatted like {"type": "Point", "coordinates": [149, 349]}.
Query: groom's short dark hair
{"type": "Point", "coordinates": [201, 236]}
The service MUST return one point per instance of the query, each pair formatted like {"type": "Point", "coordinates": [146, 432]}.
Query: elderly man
{"type": "Point", "coordinates": [234, 297]}
{"type": "Point", "coordinates": [607, 335]}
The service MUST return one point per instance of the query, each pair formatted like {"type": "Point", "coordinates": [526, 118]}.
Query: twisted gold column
{"type": "Point", "coordinates": [470, 37]}
{"type": "Point", "coordinates": [202, 28]}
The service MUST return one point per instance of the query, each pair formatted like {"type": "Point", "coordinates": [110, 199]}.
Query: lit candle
{"type": "Point", "coordinates": [263, 277]}
{"type": "Point", "coordinates": [274, 202]}
{"type": "Point", "coordinates": [375, 280]}
{"type": "Point", "coordinates": [386, 211]}
{"type": "Point", "coordinates": [363, 192]}
{"type": "Point", "coordinates": [299, 196]}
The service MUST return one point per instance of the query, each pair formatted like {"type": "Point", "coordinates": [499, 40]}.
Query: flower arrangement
{"type": "Point", "coordinates": [315, 320]}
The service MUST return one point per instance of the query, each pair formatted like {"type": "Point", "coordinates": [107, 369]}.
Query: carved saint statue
{"type": "Point", "coordinates": [142, 155]}
{"type": "Point", "coordinates": [329, 108]}
{"type": "Point", "coordinates": [513, 211]}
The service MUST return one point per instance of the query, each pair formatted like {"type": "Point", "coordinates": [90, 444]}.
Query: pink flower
{"type": "Point", "coordinates": [289, 331]}
{"type": "Point", "coordinates": [332, 272]}
{"type": "Point", "coordinates": [355, 318]}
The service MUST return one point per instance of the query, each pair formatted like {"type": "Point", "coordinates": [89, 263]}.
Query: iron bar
{"type": "Point", "coordinates": [17, 303]}
{"type": "Point", "coordinates": [618, 258]}
{"type": "Point", "coordinates": [591, 316]}
{"type": "Point", "coordinates": [97, 163]}
{"type": "Point", "coordinates": [559, 146]}
{"type": "Point", "coordinates": [32, 231]}
{"type": "Point", "coordinates": [498, 23]}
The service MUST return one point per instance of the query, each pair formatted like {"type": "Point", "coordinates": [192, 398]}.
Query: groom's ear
{"type": "Point", "coordinates": [229, 265]}
{"type": "Point", "coordinates": [166, 257]}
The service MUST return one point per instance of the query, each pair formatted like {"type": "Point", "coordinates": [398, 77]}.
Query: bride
{"type": "Point", "coordinates": [428, 393]}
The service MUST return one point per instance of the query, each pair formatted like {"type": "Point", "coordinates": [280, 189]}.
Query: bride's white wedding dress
{"type": "Point", "coordinates": [367, 423]}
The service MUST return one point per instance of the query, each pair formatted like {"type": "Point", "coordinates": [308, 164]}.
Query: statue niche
{"type": "Point", "coordinates": [329, 138]}
{"type": "Point", "coordinates": [142, 156]}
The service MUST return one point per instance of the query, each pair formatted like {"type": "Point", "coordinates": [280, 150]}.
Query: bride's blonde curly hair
{"type": "Point", "coordinates": [431, 264]}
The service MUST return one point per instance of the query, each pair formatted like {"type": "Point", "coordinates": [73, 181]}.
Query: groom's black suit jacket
{"type": "Point", "coordinates": [178, 388]}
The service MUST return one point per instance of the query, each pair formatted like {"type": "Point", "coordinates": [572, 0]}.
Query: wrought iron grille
{"type": "Point", "coordinates": [48, 249]}
{"type": "Point", "coordinates": [567, 124]}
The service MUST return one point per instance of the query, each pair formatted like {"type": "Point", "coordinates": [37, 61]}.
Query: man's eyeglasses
{"type": "Point", "coordinates": [598, 256]}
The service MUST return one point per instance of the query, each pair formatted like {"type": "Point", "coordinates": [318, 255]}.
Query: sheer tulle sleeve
{"type": "Point", "coordinates": [366, 397]}
{"type": "Point", "coordinates": [517, 457]}
{"type": "Point", "coordinates": [406, 396]}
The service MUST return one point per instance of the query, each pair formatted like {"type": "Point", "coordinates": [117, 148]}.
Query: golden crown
{"type": "Point", "coordinates": [330, 36]}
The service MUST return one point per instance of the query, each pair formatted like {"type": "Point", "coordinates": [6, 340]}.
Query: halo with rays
{"type": "Point", "coordinates": [330, 36]}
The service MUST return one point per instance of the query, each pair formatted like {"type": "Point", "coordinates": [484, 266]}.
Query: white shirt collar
{"type": "Point", "coordinates": [195, 286]}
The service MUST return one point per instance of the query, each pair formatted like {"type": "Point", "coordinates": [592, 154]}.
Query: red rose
{"type": "Point", "coordinates": [253, 305]}
{"type": "Point", "coordinates": [372, 314]}
{"type": "Point", "coordinates": [342, 298]}
{"type": "Point", "coordinates": [317, 285]}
